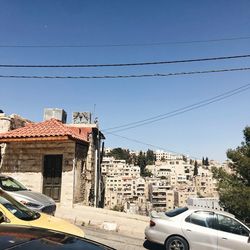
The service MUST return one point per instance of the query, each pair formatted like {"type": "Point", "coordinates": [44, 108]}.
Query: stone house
{"type": "Point", "coordinates": [57, 159]}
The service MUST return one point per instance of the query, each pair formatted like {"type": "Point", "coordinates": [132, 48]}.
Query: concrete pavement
{"type": "Point", "coordinates": [126, 224]}
{"type": "Point", "coordinates": [119, 241]}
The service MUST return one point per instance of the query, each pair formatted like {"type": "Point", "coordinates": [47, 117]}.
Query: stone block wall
{"type": "Point", "coordinates": [24, 161]}
{"type": "Point", "coordinates": [29, 179]}
{"type": "Point", "coordinates": [80, 178]}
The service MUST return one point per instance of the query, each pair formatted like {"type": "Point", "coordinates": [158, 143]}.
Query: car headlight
{"type": "Point", "coordinates": [30, 204]}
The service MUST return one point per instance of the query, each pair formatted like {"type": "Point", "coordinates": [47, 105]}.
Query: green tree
{"type": "Point", "coordinates": [120, 154]}
{"type": "Point", "coordinates": [141, 162]}
{"type": "Point", "coordinates": [206, 162]}
{"type": "Point", "coordinates": [163, 159]}
{"type": "Point", "coordinates": [133, 159]}
{"type": "Point", "coordinates": [184, 158]}
{"type": "Point", "coordinates": [234, 185]}
{"type": "Point", "coordinates": [118, 207]}
{"type": "Point", "coordinates": [203, 161]}
{"type": "Point", "coordinates": [150, 157]}
{"type": "Point", "coordinates": [147, 173]}
{"type": "Point", "coordinates": [195, 168]}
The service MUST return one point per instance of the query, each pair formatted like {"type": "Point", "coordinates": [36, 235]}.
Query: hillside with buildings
{"type": "Point", "coordinates": [172, 182]}
{"type": "Point", "coordinates": [115, 179]}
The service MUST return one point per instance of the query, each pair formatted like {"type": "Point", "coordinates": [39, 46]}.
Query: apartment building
{"type": "Point", "coordinates": [170, 200]}
{"type": "Point", "coordinates": [163, 155]}
{"type": "Point", "coordinates": [113, 167]}
{"type": "Point", "coordinates": [178, 171]}
{"type": "Point", "coordinates": [124, 190]}
{"type": "Point", "coordinates": [205, 184]}
{"type": "Point", "coordinates": [158, 189]}
{"type": "Point", "coordinates": [181, 195]}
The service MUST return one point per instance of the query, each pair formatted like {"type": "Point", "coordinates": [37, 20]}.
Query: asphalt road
{"type": "Point", "coordinates": [119, 241]}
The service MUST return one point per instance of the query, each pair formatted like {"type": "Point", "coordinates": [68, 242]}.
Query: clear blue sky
{"type": "Point", "coordinates": [208, 131]}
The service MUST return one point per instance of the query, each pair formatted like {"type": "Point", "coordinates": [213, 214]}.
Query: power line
{"type": "Point", "coordinates": [126, 76]}
{"type": "Point", "coordinates": [126, 64]}
{"type": "Point", "coordinates": [229, 39]}
{"type": "Point", "coordinates": [150, 145]}
{"type": "Point", "coordinates": [181, 110]}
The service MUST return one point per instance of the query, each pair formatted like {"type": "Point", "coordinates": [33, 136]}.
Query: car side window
{"type": "Point", "coordinates": [230, 225]}
{"type": "Point", "coordinates": [204, 219]}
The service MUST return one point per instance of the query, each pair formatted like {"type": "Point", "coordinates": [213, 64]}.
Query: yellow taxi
{"type": "Point", "coordinates": [13, 212]}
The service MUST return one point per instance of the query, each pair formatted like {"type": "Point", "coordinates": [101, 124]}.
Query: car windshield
{"type": "Point", "coordinates": [176, 211]}
{"type": "Point", "coordinates": [9, 184]}
{"type": "Point", "coordinates": [16, 208]}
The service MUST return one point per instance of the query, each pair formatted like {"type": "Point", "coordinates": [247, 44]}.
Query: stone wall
{"type": "Point", "coordinates": [90, 170]}
{"type": "Point", "coordinates": [80, 180]}
{"type": "Point", "coordinates": [24, 161]}
{"type": "Point", "coordinates": [5, 123]}
{"type": "Point", "coordinates": [11, 122]}
{"type": "Point", "coordinates": [25, 178]}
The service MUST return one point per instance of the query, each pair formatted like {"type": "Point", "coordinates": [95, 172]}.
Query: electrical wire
{"type": "Point", "coordinates": [128, 44]}
{"type": "Point", "coordinates": [127, 76]}
{"type": "Point", "coordinates": [126, 64]}
{"type": "Point", "coordinates": [179, 111]}
{"type": "Point", "coordinates": [151, 145]}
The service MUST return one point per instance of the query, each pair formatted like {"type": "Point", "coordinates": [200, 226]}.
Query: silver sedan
{"type": "Point", "coordinates": [197, 229]}
{"type": "Point", "coordinates": [33, 200]}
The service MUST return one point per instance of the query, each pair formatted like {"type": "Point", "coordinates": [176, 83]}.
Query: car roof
{"type": "Point", "coordinates": [23, 237]}
{"type": "Point", "coordinates": [193, 209]}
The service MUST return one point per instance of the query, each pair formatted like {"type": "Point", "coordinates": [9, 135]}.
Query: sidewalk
{"type": "Point", "coordinates": [127, 224]}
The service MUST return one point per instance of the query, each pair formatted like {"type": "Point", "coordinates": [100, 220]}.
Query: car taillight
{"type": "Point", "coordinates": [151, 223]}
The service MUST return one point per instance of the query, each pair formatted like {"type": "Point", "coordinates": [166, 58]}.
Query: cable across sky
{"type": "Point", "coordinates": [126, 64]}
{"type": "Point", "coordinates": [151, 145]}
{"type": "Point", "coordinates": [179, 111]}
{"type": "Point", "coordinates": [225, 39]}
{"type": "Point", "coordinates": [127, 76]}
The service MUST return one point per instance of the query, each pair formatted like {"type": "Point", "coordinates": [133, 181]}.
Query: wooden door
{"type": "Point", "coordinates": [52, 176]}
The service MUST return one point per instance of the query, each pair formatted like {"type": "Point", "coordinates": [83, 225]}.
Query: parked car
{"type": "Point", "coordinates": [33, 200]}
{"type": "Point", "coordinates": [14, 212]}
{"type": "Point", "coordinates": [196, 229]}
{"type": "Point", "coordinates": [26, 238]}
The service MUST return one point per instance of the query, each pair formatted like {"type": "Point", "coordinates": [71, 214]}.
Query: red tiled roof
{"type": "Point", "coordinates": [49, 128]}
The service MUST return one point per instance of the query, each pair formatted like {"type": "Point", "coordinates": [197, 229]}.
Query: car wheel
{"type": "Point", "coordinates": [176, 243]}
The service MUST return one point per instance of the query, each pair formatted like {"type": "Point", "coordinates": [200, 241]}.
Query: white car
{"type": "Point", "coordinates": [33, 200]}
{"type": "Point", "coordinates": [198, 229]}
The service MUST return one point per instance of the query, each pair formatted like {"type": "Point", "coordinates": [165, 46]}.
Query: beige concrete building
{"type": "Point", "coordinates": [158, 189]}
{"type": "Point", "coordinates": [178, 171]}
{"type": "Point", "coordinates": [113, 167]}
{"type": "Point", "coordinates": [205, 184]}
{"type": "Point", "coordinates": [170, 199]}
{"type": "Point", "coordinates": [123, 191]}
{"type": "Point", "coordinates": [181, 195]}
{"type": "Point", "coordinates": [162, 155]}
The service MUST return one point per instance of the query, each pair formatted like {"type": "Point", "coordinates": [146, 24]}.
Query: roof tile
{"type": "Point", "coordinates": [52, 127]}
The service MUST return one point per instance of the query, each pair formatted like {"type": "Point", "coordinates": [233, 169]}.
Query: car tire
{"type": "Point", "coordinates": [176, 243]}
